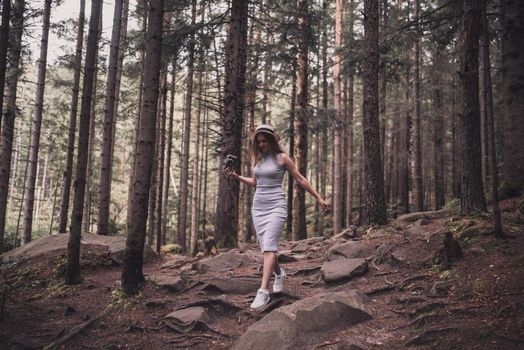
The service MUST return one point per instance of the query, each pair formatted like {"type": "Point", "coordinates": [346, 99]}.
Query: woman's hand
{"type": "Point", "coordinates": [231, 172]}
{"type": "Point", "coordinates": [323, 204]}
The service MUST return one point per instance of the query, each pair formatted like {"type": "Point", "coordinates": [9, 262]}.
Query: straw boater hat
{"type": "Point", "coordinates": [266, 129]}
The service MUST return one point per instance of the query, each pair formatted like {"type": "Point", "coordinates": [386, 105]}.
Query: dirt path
{"type": "Point", "coordinates": [477, 302]}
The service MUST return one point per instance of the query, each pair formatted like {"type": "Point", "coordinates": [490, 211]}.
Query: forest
{"type": "Point", "coordinates": [405, 115]}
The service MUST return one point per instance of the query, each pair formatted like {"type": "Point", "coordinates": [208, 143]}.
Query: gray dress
{"type": "Point", "coordinates": [269, 208]}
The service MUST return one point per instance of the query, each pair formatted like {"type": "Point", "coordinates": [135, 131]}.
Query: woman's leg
{"type": "Point", "coordinates": [270, 265]}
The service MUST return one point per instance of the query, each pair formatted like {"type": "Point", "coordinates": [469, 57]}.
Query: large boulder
{"type": "Point", "coordinates": [303, 322]}
{"type": "Point", "coordinates": [349, 250]}
{"type": "Point", "coordinates": [223, 262]}
{"type": "Point", "coordinates": [342, 269]}
{"type": "Point", "coordinates": [114, 245]}
{"type": "Point", "coordinates": [171, 283]}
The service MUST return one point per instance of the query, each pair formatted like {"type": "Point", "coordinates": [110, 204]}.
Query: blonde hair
{"type": "Point", "coordinates": [274, 148]}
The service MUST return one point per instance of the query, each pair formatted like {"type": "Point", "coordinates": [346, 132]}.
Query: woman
{"type": "Point", "coordinates": [269, 210]}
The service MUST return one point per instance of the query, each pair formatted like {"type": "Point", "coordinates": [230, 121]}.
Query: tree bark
{"type": "Point", "coordinates": [196, 160]}
{"type": "Point", "coordinates": [417, 143]}
{"type": "Point", "coordinates": [232, 121]}
{"type": "Point", "coordinates": [472, 192]}
{"type": "Point", "coordinates": [337, 185]}
{"type": "Point", "coordinates": [438, 131]}
{"type": "Point", "coordinates": [301, 121]}
{"type": "Point", "coordinates": [488, 100]}
{"type": "Point", "coordinates": [291, 134]}
{"type": "Point", "coordinates": [73, 252]}
{"type": "Point", "coordinates": [169, 150]}
{"type": "Point", "coordinates": [4, 43]}
{"type": "Point", "coordinates": [375, 211]}
{"type": "Point", "coordinates": [68, 172]}
{"type": "Point", "coordinates": [184, 175]}
{"type": "Point", "coordinates": [13, 74]}
{"type": "Point", "coordinates": [513, 95]}
{"type": "Point", "coordinates": [37, 126]}
{"type": "Point", "coordinates": [106, 159]}
{"type": "Point", "coordinates": [132, 274]}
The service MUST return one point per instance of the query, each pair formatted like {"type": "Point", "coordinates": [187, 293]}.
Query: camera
{"type": "Point", "coordinates": [230, 161]}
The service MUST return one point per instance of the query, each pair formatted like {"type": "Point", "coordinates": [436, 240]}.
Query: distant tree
{"type": "Point", "coordinates": [73, 249]}
{"type": "Point", "coordinates": [472, 191]}
{"type": "Point", "coordinates": [132, 275]}
{"type": "Point", "coordinates": [232, 122]}
{"type": "Point", "coordinates": [375, 203]}
{"type": "Point", "coordinates": [36, 126]}
{"type": "Point", "coordinates": [68, 171]}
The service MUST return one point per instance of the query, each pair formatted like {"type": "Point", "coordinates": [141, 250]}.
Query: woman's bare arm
{"type": "Point", "coordinates": [301, 180]}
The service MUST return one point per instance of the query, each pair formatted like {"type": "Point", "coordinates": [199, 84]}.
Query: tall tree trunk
{"type": "Point", "coordinates": [301, 121]}
{"type": "Point", "coordinates": [73, 252]}
{"type": "Point", "coordinates": [417, 143]}
{"type": "Point", "coordinates": [455, 148]}
{"type": "Point", "coordinates": [438, 131]}
{"type": "Point", "coordinates": [132, 274]}
{"type": "Point", "coordinates": [142, 55]}
{"type": "Point", "coordinates": [513, 95]}
{"type": "Point", "coordinates": [232, 121]}
{"type": "Point", "coordinates": [169, 150]}
{"type": "Point", "coordinates": [488, 100]}
{"type": "Point", "coordinates": [68, 172]}
{"type": "Point", "coordinates": [291, 133]}
{"type": "Point", "coordinates": [37, 126]}
{"type": "Point", "coordinates": [15, 49]}
{"type": "Point", "coordinates": [104, 191]}
{"type": "Point", "coordinates": [405, 151]}
{"type": "Point", "coordinates": [472, 192]}
{"type": "Point", "coordinates": [375, 211]}
{"type": "Point", "coordinates": [323, 164]}
{"type": "Point", "coordinates": [161, 145]}
{"type": "Point", "coordinates": [4, 42]}
{"type": "Point", "coordinates": [184, 175]}
{"type": "Point", "coordinates": [337, 145]}
{"type": "Point", "coordinates": [196, 161]}
{"type": "Point", "coordinates": [88, 195]}
{"type": "Point", "coordinates": [350, 163]}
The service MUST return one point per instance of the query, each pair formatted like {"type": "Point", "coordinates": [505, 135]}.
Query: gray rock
{"type": "Point", "coordinates": [232, 285]}
{"type": "Point", "coordinates": [302, 323]}
{"type": "Point", "coordinates": [190, 315]}
{"type": "Point", "coordinates": [341, 269]}
{"type": "Point", "coordinates": [115, 246]}
{"type": "Point", "coordinates": [348, 250]}
{"type": "Point", "coordinates": [223, 262]}
{"type": "Point", "coordinates": [172, 283]}
{"type": "Point", "coordinates": [300, 247]}
{"type": "Point", "coordinates": [175, 262]}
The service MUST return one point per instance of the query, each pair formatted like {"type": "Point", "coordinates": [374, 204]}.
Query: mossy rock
{"type": "Point", "coordinates": [171, 249]}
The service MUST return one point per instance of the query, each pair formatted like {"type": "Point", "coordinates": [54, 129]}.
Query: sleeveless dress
{"type": "Point", "coordinates": [269, 209]}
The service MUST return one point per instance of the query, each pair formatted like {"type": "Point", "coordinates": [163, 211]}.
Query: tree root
{"type": "Point", "coordinates": [77, 329]}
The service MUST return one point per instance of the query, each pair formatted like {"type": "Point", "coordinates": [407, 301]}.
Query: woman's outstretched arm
{"type": "Point", "coordinates": [251, 181]}
{"type": "Point", "coordinates": [301, 180]}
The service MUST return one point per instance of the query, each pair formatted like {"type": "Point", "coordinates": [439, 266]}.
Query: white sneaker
{"type": "Point", "coordinates": [278, 285]}
{"type": "Point", "coordinates": [261, 299]}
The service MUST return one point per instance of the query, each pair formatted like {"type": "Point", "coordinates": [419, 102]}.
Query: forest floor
{"type": "Point", "coordinates": [417, 299]}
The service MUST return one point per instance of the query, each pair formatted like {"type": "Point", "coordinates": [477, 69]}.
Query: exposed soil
{"type": "Point", "coordinates": [417, 301]}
